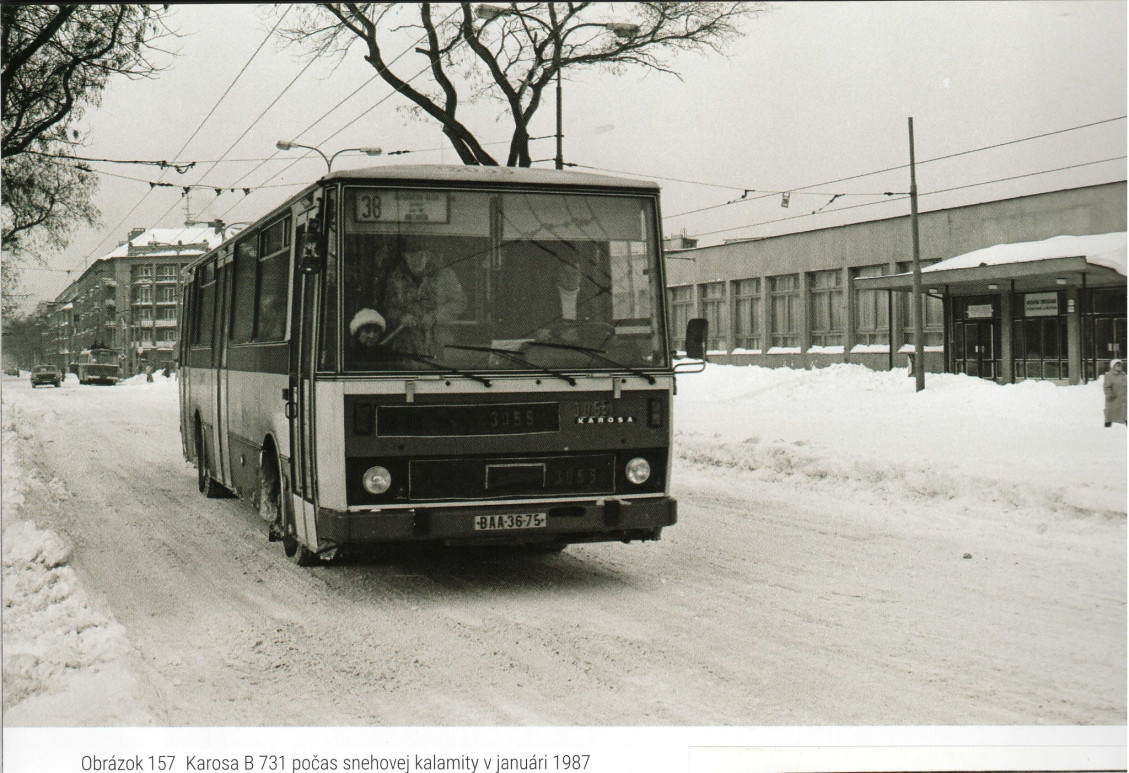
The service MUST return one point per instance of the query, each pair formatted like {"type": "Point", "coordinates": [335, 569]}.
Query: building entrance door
{"type": "Point", "coordinates": [1103, 331]}
{"type": "Point", "coordinates": [977, 356]}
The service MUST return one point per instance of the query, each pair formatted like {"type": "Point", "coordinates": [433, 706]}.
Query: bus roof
{"type": "Point", "coordinates": [457, 173]}
{"type": "Point", "coordinates": [487, 175]}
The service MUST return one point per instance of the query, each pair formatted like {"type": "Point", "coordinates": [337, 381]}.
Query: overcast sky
{"type": "Point", "coordinates": [813, 93]}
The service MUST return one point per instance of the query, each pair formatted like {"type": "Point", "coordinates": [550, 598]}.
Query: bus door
{"type": "Point", "coordinates": [219, 370]}
{"type": "Point", "coordinates": [302, 408]}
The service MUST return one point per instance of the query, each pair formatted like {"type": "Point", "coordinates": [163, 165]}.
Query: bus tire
{"type": "Point", "coordinates": [204, 481]}
{"type": "Point", "coordinates": [303, 556]}
{"type": "Point", "coordinates": [270, 498]}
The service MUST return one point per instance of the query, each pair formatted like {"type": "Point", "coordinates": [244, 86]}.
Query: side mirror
{"type": "Point", "coordinates": [312, 254]}
{"type": "Point", "coordinates": [697, 331]}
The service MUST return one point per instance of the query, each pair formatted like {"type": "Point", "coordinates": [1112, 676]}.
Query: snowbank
{"type": "Point", "coordinates": [65, 660]}
{"type": "Point", "coordinates": [846, 427]}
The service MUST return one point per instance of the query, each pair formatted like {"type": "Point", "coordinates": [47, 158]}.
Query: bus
{"type": "Point", "coordinates": [437, 354]}
{"type": "Point", "coordinates": [98, 366]}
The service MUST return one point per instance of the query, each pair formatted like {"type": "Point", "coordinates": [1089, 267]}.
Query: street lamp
{"type": "Point", "coordinates": [622, 30]}
{"type": "Point", "coordinates": [219, 226]}
{"type": "Point", "coordinates": [284, 145]}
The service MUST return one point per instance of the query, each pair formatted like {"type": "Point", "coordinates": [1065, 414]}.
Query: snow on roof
{"type": "Point", "coordinates": [1106, 250]}
{"type": "Point", "coordinates": [169, 236]}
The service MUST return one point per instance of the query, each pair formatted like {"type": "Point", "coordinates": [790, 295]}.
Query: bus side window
{"type": "Point", "coordinates": [243, 294]}
{"type": "Point", "coordinates": [207, 304]}
{"type": "Point", "coordinates": [274, 265]}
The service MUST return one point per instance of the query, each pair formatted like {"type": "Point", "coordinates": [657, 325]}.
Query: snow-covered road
{"type": "Point", "coordinates": [847, 552]}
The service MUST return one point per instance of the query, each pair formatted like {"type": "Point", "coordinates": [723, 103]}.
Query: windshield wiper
{"type": "Point", "coordinates": [595, 354]}
{"type": "Point", "coordinates": [427, 359]}
{"type": "Point", "coordinates": [516, 358]}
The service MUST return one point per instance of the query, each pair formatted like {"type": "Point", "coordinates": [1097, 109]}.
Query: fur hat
{"type": "Point", "coordinates": [1114, 363]}
{"type": "Point", "coordinates": [366, 317]}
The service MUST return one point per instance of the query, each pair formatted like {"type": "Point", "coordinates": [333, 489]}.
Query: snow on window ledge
{"type": "Point", "coordinates": [908, 349]}
{"type": "Point", "coordinates": [870, 349]}
{"type": "Point", "coordinates": [783, 350]}
{"type": "Point", "coordinates": [826, 350]}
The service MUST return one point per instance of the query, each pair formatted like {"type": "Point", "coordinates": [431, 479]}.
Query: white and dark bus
{"type": "Point", "coordinates": [455, 355]}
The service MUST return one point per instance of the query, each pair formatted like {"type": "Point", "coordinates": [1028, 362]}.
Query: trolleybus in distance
{"type": "Point", "coordinates": [98, 366]}
{"type": "Point", "coordinates": [454, 355]}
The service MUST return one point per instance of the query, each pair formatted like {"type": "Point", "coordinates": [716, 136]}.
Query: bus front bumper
{"type": "Point", "coordinates": [609, 520]}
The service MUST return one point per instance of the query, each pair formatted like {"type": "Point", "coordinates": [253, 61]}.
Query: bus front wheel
{"type": "Point", "coordinates": [204, 481]}
{"type": "Point", "coordinates": [270, 503]}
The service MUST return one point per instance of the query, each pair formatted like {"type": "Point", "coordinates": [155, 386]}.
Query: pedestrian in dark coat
{"type": "Point", "coordinates": [1113, 383]}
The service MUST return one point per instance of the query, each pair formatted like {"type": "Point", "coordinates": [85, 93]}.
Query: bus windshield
{"type": "Point", "coordinates": [499, 281]}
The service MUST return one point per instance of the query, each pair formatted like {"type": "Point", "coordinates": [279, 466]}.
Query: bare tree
{"type": "Point", "coordinates": [55, 61]}
{"type": "Point", "coordinates": [511, 53]}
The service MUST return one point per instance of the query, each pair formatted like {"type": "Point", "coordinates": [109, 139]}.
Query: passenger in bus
{"type": "Point", "coordinates": [367, 328]}
{"type": "Point", "coordinates": [417, 301]}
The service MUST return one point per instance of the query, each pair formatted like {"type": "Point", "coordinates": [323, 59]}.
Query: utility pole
{"type": "Point", "coordinates": [559, 160]}
{"type": "Point", "coordinates": [917, 307]}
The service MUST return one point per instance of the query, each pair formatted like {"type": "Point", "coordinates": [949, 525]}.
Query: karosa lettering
{"type": "Point", "coordinates": [212, 763]}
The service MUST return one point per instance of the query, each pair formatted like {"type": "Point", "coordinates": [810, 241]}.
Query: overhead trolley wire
{"type": "Point", "coordinates": [769, 194]}
{"type": "Point", "coordinates": [903, 197]}
{"type": "Point", "coordinates": [110, 232]}
{"type": "Point", "coordinates": [357, 118]}
{"type": "Point", "coordinates": [239, 139]}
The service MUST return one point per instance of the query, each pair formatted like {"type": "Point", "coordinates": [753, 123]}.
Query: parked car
{"type": "Point", "coordinates": [11, 371]}
{"type": "Point", "coordinates": [46, 374]}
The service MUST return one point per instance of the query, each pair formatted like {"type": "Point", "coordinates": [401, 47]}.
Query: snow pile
{"type": "Point", "coordinates": [140, 380]}
{"type": "Point", "coordinates": [849, 429]}
{"type": "Point", "coordinates": [57, 645]}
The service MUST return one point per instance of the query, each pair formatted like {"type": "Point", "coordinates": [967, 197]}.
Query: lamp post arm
{"type": "Point", "coordinates": [326, 159]}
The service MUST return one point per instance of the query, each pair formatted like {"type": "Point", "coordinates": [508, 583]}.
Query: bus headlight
{"type": "Point", "coordinates": [377, 480]}
{"type": "Point", "coordinates": [638, 470]}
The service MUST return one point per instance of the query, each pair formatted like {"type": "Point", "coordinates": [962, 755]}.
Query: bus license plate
{"type": "Point", "coordinates": [510, 521]}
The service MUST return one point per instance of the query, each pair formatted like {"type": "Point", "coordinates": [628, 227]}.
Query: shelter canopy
{"type": "Point", "coordinates": [1096, 259]}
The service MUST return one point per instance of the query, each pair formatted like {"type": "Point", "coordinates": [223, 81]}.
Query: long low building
{"type": "Point", "coordinates": [842, 294]}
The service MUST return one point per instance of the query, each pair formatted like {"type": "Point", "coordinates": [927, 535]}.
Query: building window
{"type": "Point", "coordinates": [784, 297]}
{"type": "Point", "coordinates": [141, 273]}
{"type": "Point", "coordinates": [142, 294]}
{"type": "Point", "coordinates": [166, 312]}
{"type": "Point", "coordinates": [681, 300]}
{"type": "Point", "coordinates": [872, 310]}
{"type": "Point", "coordinates": [825, 293]}
{"type": "Point", "coordinates": [713, 309]}
{"type": "Point", "coordinates": [167, 272]}
{"type": "Point", "coordinates": [747, 314]}
{"type": "Point", "coordinates": [933, 312]}
{"type": "Point", "coordinates": [166, 294]}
